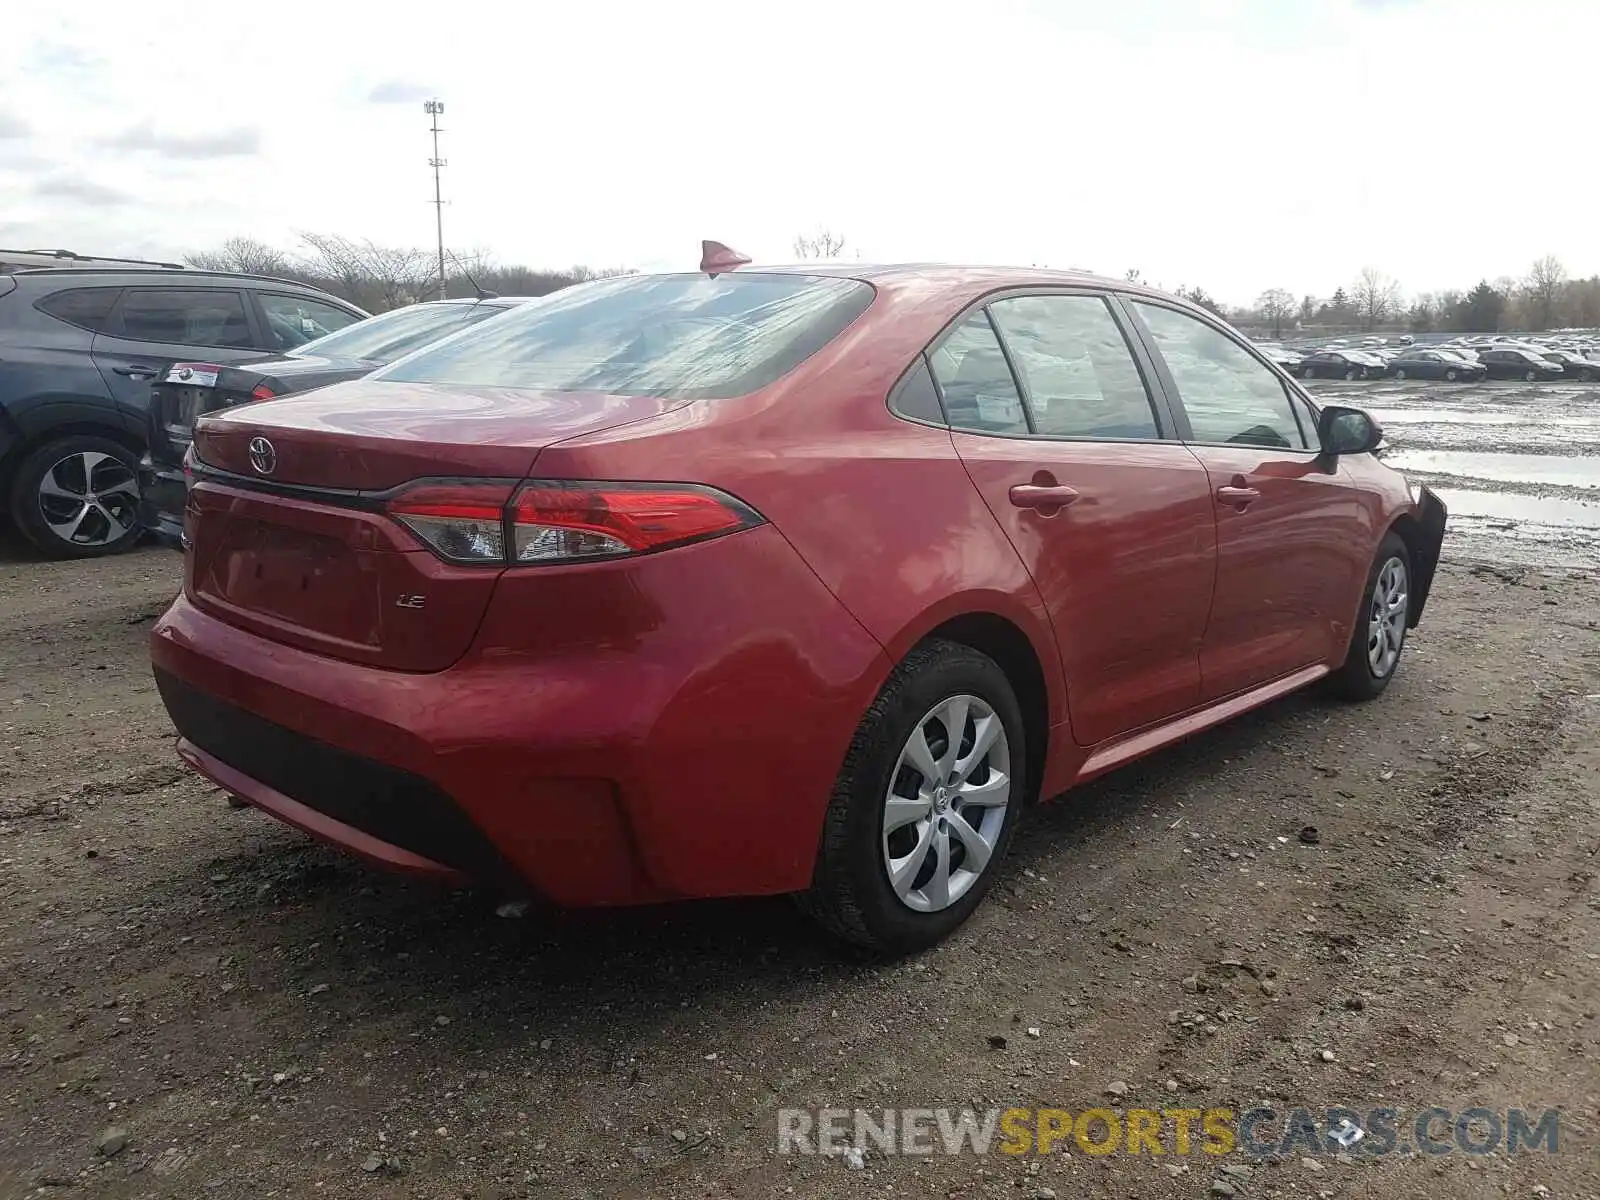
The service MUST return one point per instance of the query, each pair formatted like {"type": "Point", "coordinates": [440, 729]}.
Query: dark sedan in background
{"type": "Point", "coordinates": [1436, 364]}
{"type": "Point", "coordinates": [1342, 364]}
{"type": "Point", "coordinates": [1575, 366]}
{"type": "Point", "coordinates": [189, 390]}
{"type": "Point", "coordinates": [1513, 362]}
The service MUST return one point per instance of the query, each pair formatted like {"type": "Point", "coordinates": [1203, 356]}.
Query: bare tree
{"type": "Point", "coordinates": [1276, 306]}
{"type": "Point", "coordinates": [376, 277]}
{"type": "Point", "coordinates": [823, 244]}
{"type": "Point", "coordinates": [1132, 275]}
{"type": "Point", "coordinates": [1544, 286]}
{"type": "Point", "coordinates": [1376, 296]}
{"type": "Point", "coordinates": [245, 256]}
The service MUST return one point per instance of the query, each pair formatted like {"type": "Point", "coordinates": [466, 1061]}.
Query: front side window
{"type": "Point", "coordinates": [295, 320]}
{"type": "Point", "coordinates": [975, 381]}
{"type": "Point", "coordinates": [1078, 376]}
{"type": "Point", "coordinates": [688, 336]}
{"type": "Point", "coordinates": [1231, 397]}
{"type": "Point", "coordinates": [185, 317]}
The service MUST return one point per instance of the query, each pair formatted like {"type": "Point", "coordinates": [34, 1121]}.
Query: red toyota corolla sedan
{"type": "Point", "coordinates": [772, 580]}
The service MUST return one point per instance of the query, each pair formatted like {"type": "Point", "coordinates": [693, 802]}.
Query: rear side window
{"type": "Point", "coordinates": [976, 382]}
{"type": "Point", "coordinates": [1231, 397]}
{"type": "Point", "coordinates": [185, 317]}
{"type": "Point", "coordinates": [916, 396]}
{"type": "Point", "coordinates": [87, 308]}
{"type": "Point", "coordinates": [689, 336]}
{"type": "Point", "coordinates": [1078, 376]}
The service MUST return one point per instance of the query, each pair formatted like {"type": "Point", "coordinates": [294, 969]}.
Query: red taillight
{"type": "Point", "coordinates": [553, 521]}
{"type": "Point", "coordinates": [462, 522]}
{"type": "Point", "coordinates": [261, 392]}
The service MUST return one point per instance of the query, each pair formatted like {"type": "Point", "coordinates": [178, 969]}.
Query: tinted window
{"type": "Point", "coordinates": [917, 397]}
{"type": "Point", "coordinates": [185, 316]}
{"type": "Point", "coordinates": [1078, 375]}
{"type": "Point", "coordinates": [975, 382]}
{"type": "Point", "coordinates": [88, 308]}
{"type": "Point", "coordinates": [386, 337]}
{"type": "Point", "coordinates": [295, 320]}
{"type": "Point", "coordinates": [1230, 396]}
{"type": "Point", "coordinates": [692, 336]}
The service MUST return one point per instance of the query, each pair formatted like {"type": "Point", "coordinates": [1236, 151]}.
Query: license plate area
{"type": "Point", "coordinates": [304, 579]}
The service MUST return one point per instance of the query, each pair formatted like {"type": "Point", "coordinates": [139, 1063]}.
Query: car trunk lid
{"type": "Point", "coordinates": [287, 516]}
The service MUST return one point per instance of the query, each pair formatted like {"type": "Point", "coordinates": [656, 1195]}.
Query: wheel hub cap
{"type": "Point", "coordinates": [946, 804]}
{"type": "Point", "coordinates": [1386, 623]}
{"type": "Point", "coordinates": [89, 499]}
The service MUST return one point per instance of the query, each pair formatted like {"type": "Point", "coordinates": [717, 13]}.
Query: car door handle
{"type": "Point", "coordinates": [1041, 496]}
{"type": "Point", "coordinates": [136, 372]}
{"type": "Point", "coordinates": [1237, 497]}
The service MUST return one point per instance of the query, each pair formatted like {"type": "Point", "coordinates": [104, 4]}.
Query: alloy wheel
{"type": "Point", "coordinates": [946, 804]}
{"type": "Point", "coordinates": [89, 499]}
{"type": "Point", "coordinates": [1386, 624]}
{"type": "Point", "coordinates": [1450, 375]}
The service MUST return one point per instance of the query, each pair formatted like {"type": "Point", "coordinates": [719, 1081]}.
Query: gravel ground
{"type": "Point", "coordinates": [201, 1002]}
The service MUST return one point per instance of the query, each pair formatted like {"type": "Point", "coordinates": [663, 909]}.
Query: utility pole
{"type": "Point", "coordinates": [433, 108]}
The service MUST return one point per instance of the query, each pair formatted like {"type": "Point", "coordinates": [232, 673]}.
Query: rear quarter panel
{"type": "Point", "coordinates": [880, 508]}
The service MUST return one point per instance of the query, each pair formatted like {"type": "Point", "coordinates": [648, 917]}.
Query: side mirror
{"type": "Point", "coordinates": [1348, 431]}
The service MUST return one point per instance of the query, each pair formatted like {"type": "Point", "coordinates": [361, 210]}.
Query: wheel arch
{"type": "Point", "coordinates": [1015, 653]}
{"type": "Point", "coordinates": [70, 420]}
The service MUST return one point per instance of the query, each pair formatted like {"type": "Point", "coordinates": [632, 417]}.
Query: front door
{"type": "Point", "coordinates": [1051, 416]}
{"type": "Point", "coordinates": [1288, 527]}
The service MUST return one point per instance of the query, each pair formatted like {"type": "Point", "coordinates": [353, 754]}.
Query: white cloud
{"type": "Point", "coordinates": [1237, 144]}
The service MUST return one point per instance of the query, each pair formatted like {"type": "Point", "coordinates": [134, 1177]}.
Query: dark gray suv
{"type": "Point", "coordinates": [78, 351]}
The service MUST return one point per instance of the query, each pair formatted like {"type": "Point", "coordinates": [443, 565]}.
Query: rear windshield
{"type": "Point", "coordinates": [689, 336]}
{"type": "Point", "coordinates": [393, 334]}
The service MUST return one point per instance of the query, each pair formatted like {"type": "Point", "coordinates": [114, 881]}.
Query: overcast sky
{"type": "Point", "coordinates": [1233, 144]}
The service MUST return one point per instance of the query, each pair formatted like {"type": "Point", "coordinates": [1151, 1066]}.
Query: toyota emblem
{"type": "Point", "coordinates": [262, 456]}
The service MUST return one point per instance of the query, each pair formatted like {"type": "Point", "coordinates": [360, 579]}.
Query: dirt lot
{"type": "Point", "coordinates": [262, 1017]}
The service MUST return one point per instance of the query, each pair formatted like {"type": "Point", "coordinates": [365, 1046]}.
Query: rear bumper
{"type": "Point", "coordinates": [161, 495]}
{"type": "Point", "coordinates": [621, 766]}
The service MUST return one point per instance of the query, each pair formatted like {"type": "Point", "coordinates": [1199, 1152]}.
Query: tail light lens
{"type": "Point", "coordinates": [552, 521]}
{"type": "Point", "coordinates": [261, 392]}
{"type": "Point", "coordinates": [460, 522]}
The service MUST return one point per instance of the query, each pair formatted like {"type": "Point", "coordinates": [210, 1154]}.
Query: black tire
{"type": "Point", "coordinates": [1400, 373]}
{"type": "Point", "coordinates": [1588, 376]}
{"type": "Point", "coordinates": [1355, 679]}
{"type": "Point", "coordinates": [26, 501]}
{"type": "Point", "coordinates": [1349, 373]}
{"type": "Point", "coordinates": [1531, 376]}
{"type": "Point", "coordinates": [850, 893]}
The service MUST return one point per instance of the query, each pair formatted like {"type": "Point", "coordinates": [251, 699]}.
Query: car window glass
{"type": "Point", "coordinates": [691, 336]}
{"type": "Point", "coordinates": [916, 395]}
{"type": "Point", "coordinates": [1230, 396]}
{"type": "Point", "coordinates": [295, 320]}
{"type": "Point", "coordinates": [399, 331]}
{"type": "Point", "coordinates": [87, 308]}
{"type": "Point", "coordinates": [185, 316]}
{"type": "Point", "coordinates": [975, 382]}
{"type": "Point", "coordinates": [1078, 375]}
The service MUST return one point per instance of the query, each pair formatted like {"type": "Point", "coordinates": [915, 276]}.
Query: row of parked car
{"type": "Point", "coordinates": [1461, 361]}
{"type": "Point", "coordinates": [105, 364]}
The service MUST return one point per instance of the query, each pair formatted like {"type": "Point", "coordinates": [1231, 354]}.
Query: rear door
{"type": "Point", "coordinates": [1050, 413]}
{"type": "Point", "coordinates": [154, 326]}
{"type": "Point", "coordinates": [1291, 534]}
